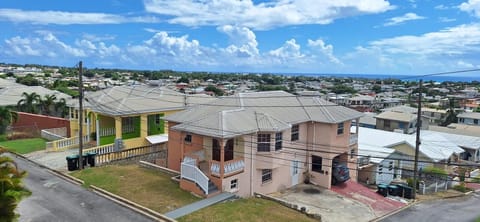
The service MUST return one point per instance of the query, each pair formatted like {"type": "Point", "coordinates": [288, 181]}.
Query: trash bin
{"type": "Point", "coordinates": [84, 159]}
{"type": "Point", "coordinates": [91, 158]}
{"type": "Point", "coordinates": [382, 189]}
{"type": "Point", "coordinates": [401, 189]}
{"type": "Point", "coordinates": [393, 190]}
{"type": "Point", "coordinates": [407, 192]}
{"type": "Point", "coordinates": [72, 162]}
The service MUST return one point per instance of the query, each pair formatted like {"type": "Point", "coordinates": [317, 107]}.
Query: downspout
{"type": "Point", "coordinates": [251, 165]}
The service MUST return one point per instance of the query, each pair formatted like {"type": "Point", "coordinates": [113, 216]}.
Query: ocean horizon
{"type": "Point", "coordinates": [439, 78]}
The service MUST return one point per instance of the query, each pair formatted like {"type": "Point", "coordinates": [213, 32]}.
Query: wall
{"type": "Point", "coordinates": [174, 148]}
{"type": "Point", "coordinates": [39, 122]}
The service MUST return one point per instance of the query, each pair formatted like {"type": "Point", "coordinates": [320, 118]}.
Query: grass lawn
{"type": "Point", "coordinates": [252, 209]}
{"type": "Point", "coordinates": [24, 146]}
{"type": "Point", "coordinates": [149, 188]}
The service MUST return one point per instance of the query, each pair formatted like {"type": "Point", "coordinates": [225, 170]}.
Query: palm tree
{"type": "Point", "coordinates": [29, 103]}
{"type": "Point", "coordinates": [11, 188]}
{"type": "Point", "coordinates": [47, 104]}
{"type": "Point", "coordinates": [451, 113]}
{"type": "Point", "coordinates": [7, 117]}
{"type": "Point", "coordinates": [61, 108]}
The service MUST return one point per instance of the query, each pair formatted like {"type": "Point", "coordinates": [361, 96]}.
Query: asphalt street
{"type": "Point", "coordinates": [54, 199]}
{"type": "Point", "coordinates": [459, 209]}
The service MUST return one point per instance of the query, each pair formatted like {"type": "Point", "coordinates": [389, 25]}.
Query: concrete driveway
{"type": "Point", "coordinates": [330, 205]}
{"type": "Point", "coordinates": [52, 160]}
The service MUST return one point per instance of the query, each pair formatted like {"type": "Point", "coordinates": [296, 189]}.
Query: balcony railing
{"type": "Point", "coordinates": [353, 139]}
{"type": "Point", "coordinates": [190, 171]}
{"type": "Point", "coordinates": [107, 131]}
{"type": "Point", "coordinates": [229, 167]}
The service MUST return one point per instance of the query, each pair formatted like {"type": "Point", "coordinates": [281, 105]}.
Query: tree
{"type": "Point", "coordinates": [29, 103]}
{"type": "Point", "coordinates": [183, 79]}
{"type": "Point", "coordinates": [47, 104]}
{"type": "Point", "coordinates": [61, 108]}
{"type": "Point", "coordinates": [28, 80]}
{"type": "Point", "coordinates": [377, 89]}
{"type": "Point", "coordinates": [7, 117]}
{"type": "Point", "coordinates": [451, 113]}
{"type": "Point", "coordinates": [217, 91]}
{"type": "Point", "coordinates": [11, 187]}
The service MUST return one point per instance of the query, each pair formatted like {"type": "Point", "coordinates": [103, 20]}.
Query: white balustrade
{"type": "Point", "coordinates": [190, 171]}
{"type": "Point", "coordinates": [229, 167]}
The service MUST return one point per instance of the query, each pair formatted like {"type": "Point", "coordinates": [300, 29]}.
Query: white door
{"type": "Point", "coordinates": [385, 171]}
{"type": "Point", "coordinates": [294, 172]}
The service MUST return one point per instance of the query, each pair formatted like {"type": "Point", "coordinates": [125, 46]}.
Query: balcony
{"type": "Point", "coordinates": [230, 167]}
{"type": "Point", "coordinates": [353, 139]}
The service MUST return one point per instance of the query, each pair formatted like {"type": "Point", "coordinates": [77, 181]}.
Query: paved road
{"type": "Point", "coordinates": [54, 199]}
{"type": "Point", "coordinates": [455, 209]}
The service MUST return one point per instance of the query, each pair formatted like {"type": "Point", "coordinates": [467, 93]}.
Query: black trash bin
{"type": "Point", "coordinates": [72, 162]}
{"type": "Point", "coordinates": [407, 192]}
{"type": "Point", "coordinates": [401, 190]}
{"type": "Point", "coordinates": [382, 189]}
{"type": "Point", "coordinates": [393, 190]}
{"type": "Point", "coordinates": [91, 158]}
{"type": "Point", "coordinates": [84, 159]}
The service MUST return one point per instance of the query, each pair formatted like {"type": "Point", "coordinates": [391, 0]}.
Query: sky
{"type": "Point", "coordinates": [411, 37]}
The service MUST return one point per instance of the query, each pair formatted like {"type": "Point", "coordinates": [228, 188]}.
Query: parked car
{"type": "Point", "coordinates": [340, 173]}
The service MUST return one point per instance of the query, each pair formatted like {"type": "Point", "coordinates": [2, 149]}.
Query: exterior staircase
{"type": "Point", "coordinates": [212, 188]}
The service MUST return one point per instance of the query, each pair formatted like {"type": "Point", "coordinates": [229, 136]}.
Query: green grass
{"type": "Point", "coordinates": [147, 187]}
{"type": "Point", "coordinates": [24, 146]}
{"type": "Point", "coordinates": [477, 220]}
{"type": "Point", "coordinates": [251, 209]}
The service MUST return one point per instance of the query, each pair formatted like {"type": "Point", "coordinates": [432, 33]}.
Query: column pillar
{"type": "Point", "coordinates": [118, 127]}
{"type": "Point", "coordinates": [97, 129]}
{"type": "Point", "coordinates": [143, 125]}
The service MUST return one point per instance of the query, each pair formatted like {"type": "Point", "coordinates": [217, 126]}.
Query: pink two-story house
{"type": "Point", "coordinates": [260, 142]}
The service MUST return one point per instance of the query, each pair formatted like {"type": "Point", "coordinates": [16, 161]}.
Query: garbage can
{"type": "Point", "coordinates": [401, 190]}
{"type": "Point", "coordinates": [382, 189]}
{"type": "Point", "coordinates": [91, 158]}
{"type": "Point", "coordinates": [393, 190]}
{"type": "Point", "coordinates": [72, 162]}
{"type": "Point", "coordinates": [84, 159]}
{"type": "Point", "coordinates": [407, 192]}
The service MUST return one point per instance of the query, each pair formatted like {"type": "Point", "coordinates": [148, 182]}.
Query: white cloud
{"type": "Point", "coordinates": [244, 42]}
{"type": "Point", "coordinates": [68, 18]}
{"type": "Point", "coordinates": [401, 19]}
{"type": "Point", "coordinates": [324, 49]}
{"type": "Point", "coordinates": [445, 19]}
{"type": "Point", "coordinates": [441, 7]}
{"type": "Point", "coordinates": [265, 15]}
{"type": "Point", "coordinates": [472, 6]}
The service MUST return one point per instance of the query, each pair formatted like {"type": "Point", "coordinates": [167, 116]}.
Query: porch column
{"type": "Point", "coordinates": [88, 128]}
{"type": "Point", "coordinates": [222, 158]}
{"type": "Point", "coordinates": [118, 127]}
{"type": "Point", "coordinates": [143, 125]}
{"type": "Point", "coordinates": [97, 129]}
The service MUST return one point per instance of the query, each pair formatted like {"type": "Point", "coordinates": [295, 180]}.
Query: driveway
{"type": "Point", "coordinates": [52, 160]}
{"type": "Point", "coordinates": [54, 199]}
{"type": "Point", "coordinates": [379, 204]}
{"type": "Point", "coordinates": [330, 205]}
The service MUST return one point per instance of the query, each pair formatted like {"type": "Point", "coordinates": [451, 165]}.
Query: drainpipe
{"type": "Point", "coordinates": [251, 165]}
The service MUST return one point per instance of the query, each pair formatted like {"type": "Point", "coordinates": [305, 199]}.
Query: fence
{"type": "Point", "coordinates": [54, 133]}
{"type": "Point", "coordinates": [64, 144]}
{"type": "Point", "coordinates": [104, 157]}
{"type": "Point", "coordinates": [190, 171]}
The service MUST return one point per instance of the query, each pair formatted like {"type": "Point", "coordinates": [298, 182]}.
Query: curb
{"type": "Point", "coordinates": [132, 205]}
{"type": "Point", "coordinates": [394, 212]}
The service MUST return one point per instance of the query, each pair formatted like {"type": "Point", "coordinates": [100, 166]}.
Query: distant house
{"type": "Point", "coordinates": [378, 164]}
{"type": "Point", "coordinates": [469, 118]}
{"type": "Point", "coordinates": [435, 116]}
{"type": "Point", "coordinates": [396, 121]}
{"type": "Point", "coordinates": [368, 120]}
{"type": "Point", "coordinates": [362, 103]}
{"type": "Point", "coordinates": [11, 92]}
{"type": "Point", "coordinates": [435, 149]}
{"type": "Point", "coordinates": [260, 142]}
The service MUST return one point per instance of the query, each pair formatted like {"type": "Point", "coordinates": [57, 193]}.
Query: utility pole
{"type": "Point", "coordinates": [417, 142]}
{"type": "Point", "coordinates": [80, 116]}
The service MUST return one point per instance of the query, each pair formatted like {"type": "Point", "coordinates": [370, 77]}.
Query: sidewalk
{"type": "Point", "coordinates": [182, 211]}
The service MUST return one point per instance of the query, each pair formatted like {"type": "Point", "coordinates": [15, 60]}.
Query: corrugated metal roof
{"type": "Point", "coordinates": [136, 99]}
{"type": "Point", "coordinates": [259, 111]}
{"type": "Point", "coordinates": [10, 95]}
{"type": "Point", "coordinates": [391, 115]}
{"type": "Point", "coordinates": [470, 115]}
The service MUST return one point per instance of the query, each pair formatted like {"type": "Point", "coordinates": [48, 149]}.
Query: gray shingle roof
{"type": "Point", "coordinates": [261, 111]}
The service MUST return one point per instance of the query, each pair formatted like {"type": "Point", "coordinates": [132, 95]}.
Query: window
{"type": "Point", "coordinates": [317, 164]}
{"type": "Point", "coordinates": [340, 128]}
{"type": "Point", "coordinates": [263, 143]}
{"type": "Point", "coordinates": [386, 123]}
{"type": "Point", "coordinates": [234, 184]}
{"type": "Point", "coordinates": [188, 138]}
{"type": "Point", "coordinates": [266, 175]}
{"type": "Point", "coordinates": [401, 125]}
{"type": "Point", "coordinates": [352, 153]}
{"type": "Point", "coordinates": [157, 119]}
{"type": "Point", "coordinates": [278, 141]}
{"type": "Point", "coordinates": [295, 133]}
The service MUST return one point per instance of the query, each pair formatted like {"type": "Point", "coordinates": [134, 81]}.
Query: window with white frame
{"type": "Point", "coordinates": [340, 128]}
{"type": "Point", "coordinates": [295, 132]}
{"type": "Point", "coordinates": [234, 184]}
{"type": "Point", "coordinates": [266, 175]}
{"type": "Point", "coordinates": [278, 141]}
{"type": "Point", "coordinates": [263, 143]}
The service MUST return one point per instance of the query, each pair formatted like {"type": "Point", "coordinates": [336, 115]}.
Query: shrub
{"type": "Point", "coordinates": [433, 171]}
{"type": "Point", "coordinates": [462, 188]}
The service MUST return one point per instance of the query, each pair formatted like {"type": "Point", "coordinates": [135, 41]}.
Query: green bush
{"type": "Point", "coordinates": [462, 188]}
{"type": "Point", "coordinates": [438, 172]}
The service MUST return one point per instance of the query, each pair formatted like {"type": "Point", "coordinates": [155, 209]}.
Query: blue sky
{"type": "Point", "coordinates": [284, 36]}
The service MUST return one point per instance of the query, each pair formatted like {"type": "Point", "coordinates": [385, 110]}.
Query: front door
{"type": "Point", "coordinates": [294, 172]}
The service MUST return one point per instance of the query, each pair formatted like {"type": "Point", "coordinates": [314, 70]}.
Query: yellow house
{"type": "Point", "coordinates": [130, 116]}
